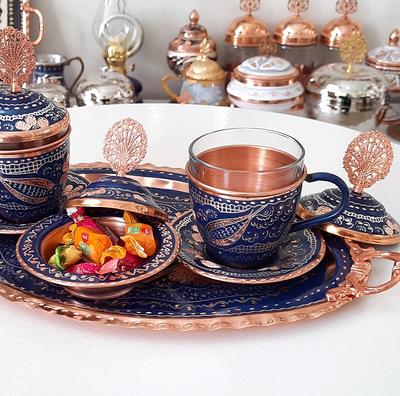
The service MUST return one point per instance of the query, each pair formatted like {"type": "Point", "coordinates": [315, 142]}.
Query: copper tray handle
{"type": "Point", "coordinates": [365, 290]}
{"type": "Point", "coordinates": [28, 9]}
{"type": "Point", "coordinates": [356, 281]}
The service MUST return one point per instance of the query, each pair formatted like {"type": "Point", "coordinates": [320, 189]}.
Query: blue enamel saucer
{"type": "Point", "coordinates": [301, 252]}
{"type": "Point", "coordinates": [74, 185]}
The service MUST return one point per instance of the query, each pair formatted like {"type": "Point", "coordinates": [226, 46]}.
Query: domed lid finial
{"type": "Point", "coordinates": [17, 58]}
{"type": "Point", "coordinates": [250, 6]}
{"type": "Point", "coordinates": [125, 146]}
{"type": "Point", "coordinates": [368, 159]}
{"type": "Point", "coordinates": [346, 7]}
{"type": "Point", "coordinates": [298, 6]}
{"type": "Point", "coordinates": [353, 49]}
{"type": "Point", "coordinates": [194, 17]}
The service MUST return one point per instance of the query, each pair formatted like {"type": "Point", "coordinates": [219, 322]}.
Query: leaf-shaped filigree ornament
{"type": "Point", "coordinates": [346, 7]}
{"type": "Point", "coordinates": [368, 159]}
{"type": "Point", "coordinates": [353, 49]}
{"type": "Point", "coordinates": [125, 146]}
{"type": "Point", "coordinates": [250, 6]}
{"type": "Point", "coordinates": [298, 6]}
{"type": "Point", "coordinates": [17, 58]}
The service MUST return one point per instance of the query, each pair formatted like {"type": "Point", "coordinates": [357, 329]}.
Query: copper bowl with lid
{"type": "Point", "coordinates": [34, 139]}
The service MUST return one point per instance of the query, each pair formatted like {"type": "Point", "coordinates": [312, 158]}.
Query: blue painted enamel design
{"type": "Point", "coordinates": [244, 234]}
{"type": "Point", "coordinates": [299, 250]}
{"type": "Point", "coordinates": [30, 250]}
{"type": "Point", "coordinates": [74, 185]}
{"type": "Point", "coordinates": [27, 110]}
{"type": "Point", "coordinates": [363, 213]}
{"type": "Point", "coordinates": [49, 72]}
{"type": "Point", "coordinates": [179, 292]}
{"type": "Point", "coordinates": [31, 186]}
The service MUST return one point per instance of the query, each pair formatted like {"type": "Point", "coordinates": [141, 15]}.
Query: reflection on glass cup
{"type": "Point", "coordinates": [245, 185]}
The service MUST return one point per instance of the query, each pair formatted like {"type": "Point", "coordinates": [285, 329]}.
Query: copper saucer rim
{"type": "Point", "coordinates": [357, 236]}
{"type": "Point", "coordinates": [262, 281]}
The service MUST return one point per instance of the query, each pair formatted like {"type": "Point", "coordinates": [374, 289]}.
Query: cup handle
{"type": "Point", "coordinates": [67, 63]}
{"type": "Point", "coordinates": [165, 86]}
{"type": "Point", "coordinates": [28, 9]}
{"type": "Point", "coordinates": [324, 218]}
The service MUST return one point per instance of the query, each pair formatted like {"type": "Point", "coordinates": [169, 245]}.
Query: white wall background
{"type": "Point", "coordinates": [68, 27]}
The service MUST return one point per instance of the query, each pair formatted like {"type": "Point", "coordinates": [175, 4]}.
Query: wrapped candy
{"type": "Point", "coordinates": [84, 268]}
{"type": "Point", "coordinates": [88, 236]}
{"type": "Point", "coordinates": [65, 256]}
{"type": "Point", "coordinates": [139, 239]}
{"type": "Point", "coordinates": [114, 252]}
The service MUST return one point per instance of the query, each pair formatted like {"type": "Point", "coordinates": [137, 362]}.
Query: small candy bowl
{"type": "Point", "coordinates": [266, 83]}
{"type": "Point", "coordinates": [104, 200]}
{"type": "Point", "coordinates": [36, 246]}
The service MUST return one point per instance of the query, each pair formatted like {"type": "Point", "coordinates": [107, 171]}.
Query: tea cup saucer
{"type": "Point", "coordinates": [300, 253]}
{"type": "Point", "coordinates": [73, 185]}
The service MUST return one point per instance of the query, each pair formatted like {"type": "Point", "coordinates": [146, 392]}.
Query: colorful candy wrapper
{"type": "Point", "coordinates": [109, 267]}
{"type": "Point", "coordinates": [139, 239]}
{"type": "Point", "coordinates": [89, 237]}
{"type": "Point", "coordinates": [114, 252]}
{"type": "Point", "coordinates": [68, 238]}
{"type": "Point", "coordinates": [84, 268]}
{"type": "Point", "coordinates": [65, 256]}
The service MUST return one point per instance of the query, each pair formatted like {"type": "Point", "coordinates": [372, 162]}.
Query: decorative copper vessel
{"type": "Point", "coordinates": [203, 81]}
{"type": "Point", "coordinates": [245, 36]}
{"type": "Point", "coordinates": [184, 48]}
{"type": "Point", "coordinates": [34, 138]}
{"type": "Point", "coordinates": [297, 39]}
{"type": "Point", "coordinates": [334, 32]}
{"type": "Point", "coordinates": [386, 59]}
{"type": "Point", "coordinates": [350, 93]}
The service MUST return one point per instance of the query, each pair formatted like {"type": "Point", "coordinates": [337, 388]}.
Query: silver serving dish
{"type": "Point", "coordinates": [357, 100]}
{"type": "Point", "coordinates": [105, 87]}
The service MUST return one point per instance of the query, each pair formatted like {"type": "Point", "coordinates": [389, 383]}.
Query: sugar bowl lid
{"type": "Point", "coordinates": [190, 36]}
{"type": "Point", "coordinates": [367, 160]}
{"type": "Point", "coordinates": [296, 31]}
{"type": "Point", "coordinates": [386, 57]}
{"type": "Point", "coordinates": [265, 71]}
{"type": "Point", "coordinates": [334, 32]}
{"type": "Point", "coordinates": [124, 148]}
{"type": "Point", "coordinates": [247, 31]}
{"type": "Point", "coordinates": [203, 68]}
{"type": "Point", "coordinates": [27, 119]}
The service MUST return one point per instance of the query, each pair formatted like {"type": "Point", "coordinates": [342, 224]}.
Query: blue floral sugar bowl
{"type": "Point", "coordinates": [367, 160]}
{"type": "Point", "coordinates": [125, 147]}
{"type": "Point", "coordinates": [34, 138]}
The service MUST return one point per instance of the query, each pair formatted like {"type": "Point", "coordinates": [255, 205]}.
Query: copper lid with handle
{"type": "Point", "coordinates": [296, 31]}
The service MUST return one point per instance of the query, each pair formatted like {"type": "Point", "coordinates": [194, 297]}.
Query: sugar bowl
{"type": "Point", "coordinates": [266, 83]}
{"type": "Point", "coordinates": [113, 234]}
{"type": "Point", "coordinates": [350, 93]}
{"type": "Point", "coordinates": [203, 81]}
{"type": "Point", "coordinates": [386, 59]}
{"type": "Point", "coordinates": [297, 38]}
{"type": "Point", "coordinates": [184, 48]}
{"type": "Point", "coordinates": [245, 36]}
{"type": "Point", "coordinates": [34, 138]}
{"type": "Point", "coordinates": [335, 30]}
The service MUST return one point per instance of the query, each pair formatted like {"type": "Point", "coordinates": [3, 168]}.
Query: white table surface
{"type": "Point", "coordinates": [353, 351]}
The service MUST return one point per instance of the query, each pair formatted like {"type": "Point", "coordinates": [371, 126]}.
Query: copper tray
{"type": "Point", "coordinates": [170, 186]}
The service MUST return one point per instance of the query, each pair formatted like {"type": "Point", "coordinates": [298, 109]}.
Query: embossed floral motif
{"type": "Point", "coordinates": [250, 6]}
{"type": "Point", "coordinates": [31, 122]}
{"type": "Point", "coordinates": [392, 228]}
{"type": "Point", "coordinates": [346, 7]}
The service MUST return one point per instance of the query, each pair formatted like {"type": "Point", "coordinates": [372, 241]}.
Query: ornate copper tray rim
{"type": "Point", "coordinates": [353, 287]}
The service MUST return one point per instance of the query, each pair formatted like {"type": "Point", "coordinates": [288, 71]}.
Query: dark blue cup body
{"type": "Point", "coordinates": [246, 233]}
